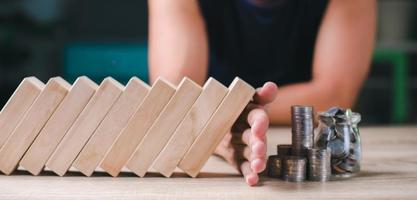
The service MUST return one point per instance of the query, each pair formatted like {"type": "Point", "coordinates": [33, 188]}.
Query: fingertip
{"type": "Point", "coordinates": [271, 86]}
{"type": "Point", "coordinates": [267, 88]}
{"type": "Point", "coordinates": [252, 179]}
{"type": "Point", "coordinates": [266, 93]}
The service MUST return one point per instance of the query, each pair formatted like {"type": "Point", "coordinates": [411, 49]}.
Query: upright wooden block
{"type": "Point", "coordinates": [117, 118]}
{"type": "Point", "coordinates": [20, 102]}
{"type": "Point", "coordinates": [239, 95]}
{"type": "Point", "coordinates": [58, 125]}
{"type": "Point", "coordinates": [163, 128]}
{"type": "Point", "coordinates": [185, 134]}
{"type": "Point", "coordinates": [84, 126]}
{"type": "Point", "coordinates": [32, 123]}
{"type": "Point", "coordinates": [138, 125]}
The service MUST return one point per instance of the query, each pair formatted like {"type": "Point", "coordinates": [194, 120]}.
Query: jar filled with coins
{"type": "Point", "coordinates": [338, 131]}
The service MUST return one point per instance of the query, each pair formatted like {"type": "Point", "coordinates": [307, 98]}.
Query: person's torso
{"type": "Point", "coordinates": [271, 41]}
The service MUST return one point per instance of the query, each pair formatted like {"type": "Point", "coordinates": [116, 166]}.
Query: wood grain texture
{"type": "Point", "coordinates": [17, 106]}
{"type": "Point", "coordinates": [126, 143]}
{"type": "Point", "coordinates": [32, 123]}
{"type": "Point", "coordinates": [85, 125]}
{"type": "Point", "coordinates": [185, 134]}
{"type": "Point", "coordinates": [112, 125]}
{"type": "Point", "coordinates": [389, 171]}
{"type": "Point", "coordinates": [239, 95]}
{"type": "Point", "coordinates": [164, 126]}
{"type": "Point", "coordinates": [57, 126]}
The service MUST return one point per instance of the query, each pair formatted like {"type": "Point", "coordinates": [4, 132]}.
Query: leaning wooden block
{"type": "Point", "coordinates": [20, 102]}
{"type": "Point", "coordinates": [85, 125]}
{"type": "Point", "coordinates": [117, 118]}
{"type": "Point", "coordinates": [32, 123]}
{"type": "Point", "coordinates": [138, 125]}
{"type": "Point", "coordinates": [185, 134]}
{"type": "Point", "coordinates": [58, 125]}
{"type": "Point", "coordinates": [239, 95]}
{"type": "Point", "coordinates": [163, 128]}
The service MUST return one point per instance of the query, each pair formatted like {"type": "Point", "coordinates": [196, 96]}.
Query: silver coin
{"type": "Point", "coordinates": [294, 168]}
{"type": "Point", "coordinates": [302, 129]}
{"type": "Point", "coordinates": [319, 164]}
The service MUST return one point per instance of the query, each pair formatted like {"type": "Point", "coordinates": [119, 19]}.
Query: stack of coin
{"type": "Point", "coordinates": [294, 168]}
{"type": "Point", "coordinates": [274, 166]}
{"type": "Point", "coordinates": [302, 129]}
{"type": "Point", "coordinates": [284, 149]}
{"type": "Point", "coordinates": [319, 164]}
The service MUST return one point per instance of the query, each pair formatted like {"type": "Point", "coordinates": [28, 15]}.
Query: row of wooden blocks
{"type": "Point", "coordinates": [57, 125]}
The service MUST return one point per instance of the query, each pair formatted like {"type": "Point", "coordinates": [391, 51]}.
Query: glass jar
{"type": "Point", "coordinates": [338, 130]}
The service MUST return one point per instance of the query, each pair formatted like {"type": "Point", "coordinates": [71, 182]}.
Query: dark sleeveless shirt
{"type": "Point", "coordinates": [274, 42]}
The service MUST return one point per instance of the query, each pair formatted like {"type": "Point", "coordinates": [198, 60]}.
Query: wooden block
{"type": "Point", "coordinates": [20, 102]}
{"type": "Point", "coordinates": [138, 125]}
{"type": "Point", "coordinates": [163, 128]}
{"type": "Point", "coordinates": [117, 118]}
{"type": "Point", "coordinates": [58, 125]}
{"type": "Point", "coordinates": [84, 126]}
{"type": "Point", "coordinates": [239, 95]}
{"type": "Point", "coordinates": [32, 123]}
{"type": "Point", "coordinates": [188, 130]}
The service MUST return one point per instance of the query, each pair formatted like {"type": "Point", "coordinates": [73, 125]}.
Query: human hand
{"type": "Point", "coordinates": [245, 145]}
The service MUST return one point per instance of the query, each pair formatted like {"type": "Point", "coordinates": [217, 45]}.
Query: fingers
{"type": "Point", "coordinates": [254, 135]}
{"type": "Point", "coordinates": [266, 94]}
{"type": "Point", "coordinates": [256, 145]}
{"type": "Point", "coordinates": [251, 177]}
{"type": "Point", "coordinates": [258, 165]}
{"type": "Point", "coordinates": [259, 122]}
{"type": "Point", "coordinates": [246, 136]}
{"type": "Point", "coordinates": [258, 149]}
{"type": "Point", "coordinates": [255, 151]}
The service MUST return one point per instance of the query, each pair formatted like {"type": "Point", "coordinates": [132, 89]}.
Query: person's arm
{"type": "Point", "coordinates": [341, 62]}
{"type": "Point", "coordinates": [177, 41]}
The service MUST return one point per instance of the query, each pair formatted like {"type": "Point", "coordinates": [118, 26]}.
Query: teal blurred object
{"type": "Point", "coordinates": [399, 60]}
{"type": "Point", "coordinates": [97, 61]}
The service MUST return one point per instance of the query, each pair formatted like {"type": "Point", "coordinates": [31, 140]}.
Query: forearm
{"type": "Point", "coordinates": [312, 93]}
{"type": "Point", "coordinates": [341, 61]}
{"type": "Point", "coordinates": [177, 41]}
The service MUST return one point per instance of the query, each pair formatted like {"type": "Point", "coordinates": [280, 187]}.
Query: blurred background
{"type": "Point", "coordinates": [69, 38]}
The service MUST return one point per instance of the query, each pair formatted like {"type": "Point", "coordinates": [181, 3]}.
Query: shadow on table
{"type": "Point", "coordinates": [281, 185]}
{"type": "Point", "coordinates": [372, 174]}
{"type": "Point", "coordinates": [362, 174]}
{"type": "Point", "coordinates": [126, 174]}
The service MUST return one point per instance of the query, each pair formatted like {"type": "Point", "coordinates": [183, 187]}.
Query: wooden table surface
{"type": "Point", "coordinates": [389, 170]}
